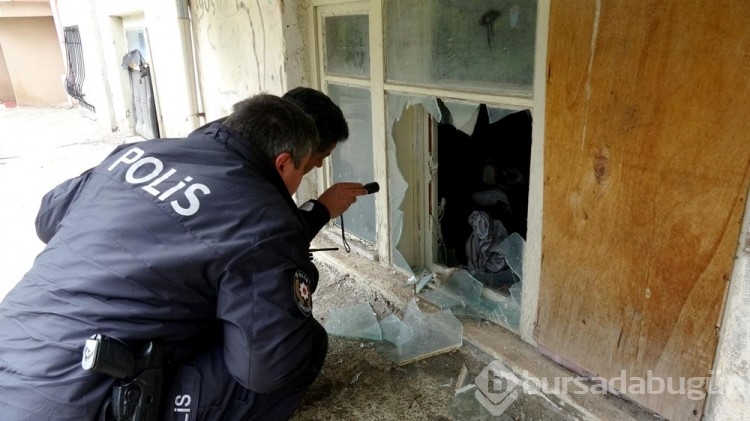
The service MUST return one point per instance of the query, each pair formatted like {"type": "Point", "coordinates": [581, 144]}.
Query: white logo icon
{"type": "Point", "coordinates": [496, 388]}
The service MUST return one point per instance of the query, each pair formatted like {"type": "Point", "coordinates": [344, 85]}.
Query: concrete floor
{"type": "Point", "coordinates": [41, 147]}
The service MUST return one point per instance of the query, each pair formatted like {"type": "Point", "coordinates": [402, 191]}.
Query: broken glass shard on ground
{"type": "Point", "coordinates": [357, 321]}
{"type": "Point", "coordinates": [460, 290]}
{"type": "Point", "coordinates": [418, 335]}
{"type": "Point", "coordinates": [433, 334]}
{"type": "Point", "coordinates": [395, 331]}
{"type": "Point", "coordinates": [462, 294]}
{"type": "Point", "coordinates": [500, 309]}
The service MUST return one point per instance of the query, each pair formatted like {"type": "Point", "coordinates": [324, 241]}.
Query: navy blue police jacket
{"type": "Point", "coordinates": [163, 240]}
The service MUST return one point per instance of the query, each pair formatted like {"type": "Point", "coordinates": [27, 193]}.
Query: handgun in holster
{"type": "Point", "coordinates": [136, 396]}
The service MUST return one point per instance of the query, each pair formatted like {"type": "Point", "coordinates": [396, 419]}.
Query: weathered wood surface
{"type": "Point", "coordinates": [647, 164]}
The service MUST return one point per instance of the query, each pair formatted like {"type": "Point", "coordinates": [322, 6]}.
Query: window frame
{"type": "Point", "coordinates": [319, 10]}
{"type": "Point", "coordinates": [379, 90]}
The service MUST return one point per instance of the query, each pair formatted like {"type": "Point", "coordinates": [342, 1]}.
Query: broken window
{"type": "Point", "coordinates": [482, 185]}
{"type": "Point", "coordinates": [471, 198]}
{"type": "Point", "coordinates": [458, 84]}
{"type": "Point", "coordinates": [458, 170]}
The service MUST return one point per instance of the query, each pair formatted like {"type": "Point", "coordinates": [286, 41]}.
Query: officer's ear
{"type": "Point", "coordinates": [290, 173]}
{"type": "Point", "coordinates": [284, 164]}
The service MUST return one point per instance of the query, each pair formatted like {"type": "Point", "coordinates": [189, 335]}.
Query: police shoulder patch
{"type": "Point", "coordinates": [302, 293]}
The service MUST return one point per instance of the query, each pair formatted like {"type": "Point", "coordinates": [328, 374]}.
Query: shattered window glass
{"type": "Point", "coordinates": [401, 161]}
{"type": "Point", "coordinates": [346, 48]}
{"type": "Point", "coordinates": [416, 336]}
{"type": "Point", "coordinates": [352, 159]}
{"type": "Point", "coordinates": [481, 165]}
{"type": "Point", "coordinates": [464, 295]}
{"type": "Point", "coordinates": [357, 321]}
{"type": "Point", "coordinates": [474, 44]}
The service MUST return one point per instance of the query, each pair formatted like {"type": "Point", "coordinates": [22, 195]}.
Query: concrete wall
{"type": "Point", "coordinates": [297, 72]}
{"type": "Point", "coordinates": [730, 388]}
{"type": "Point", "coordinates": [171, 59]}
{"type": "Point", "coordinates": [241, 51]}
{"type": "Point", "coordinates": [6, 87]}
{"type": "Point", "coordinates": [78, 13]}
{"type": "Point", "coordinates": [32, 54]}
{"type": "Point", "coordinates": [295, 39]}
{"type": "Point", "coordinates": [111, 18]}
{"type": "Point", "coordinates": [172, 69]}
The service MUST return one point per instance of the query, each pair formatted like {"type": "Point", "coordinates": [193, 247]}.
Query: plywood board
{"type": "Point", "coordinates": [647, 164]}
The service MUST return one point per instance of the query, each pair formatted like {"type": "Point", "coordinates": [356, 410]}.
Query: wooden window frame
{"type": "Point", "coordinates": [379, 90]}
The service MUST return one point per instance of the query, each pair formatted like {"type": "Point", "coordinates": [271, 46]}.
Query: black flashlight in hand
{"type": "Point", "coordinates": [371, 188]}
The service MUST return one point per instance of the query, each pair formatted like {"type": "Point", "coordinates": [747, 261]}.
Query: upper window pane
{"type": "Point", "coordinates": [469, 44]}
{"type": "Point", "coordinates": [136, 40]}
{"type": "Point", "coordinates": [347, 49]}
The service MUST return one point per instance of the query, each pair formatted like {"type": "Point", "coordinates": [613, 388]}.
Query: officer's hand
{"type": "Point", "coordinates": [340, 196]}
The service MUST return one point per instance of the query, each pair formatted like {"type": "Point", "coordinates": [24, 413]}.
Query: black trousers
{"type": "Point", "coordinates": [202, 389]}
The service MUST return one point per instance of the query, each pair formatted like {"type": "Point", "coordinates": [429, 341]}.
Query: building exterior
{"type": "Point", "coordinates": [623, 126]}
{"type": "Point", "coordinates": [31, 67]}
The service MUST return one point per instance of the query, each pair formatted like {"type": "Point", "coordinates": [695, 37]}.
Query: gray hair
{"type": "Point", "coordinates": [274, 125]}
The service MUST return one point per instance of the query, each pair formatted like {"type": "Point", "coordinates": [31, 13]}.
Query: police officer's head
{"type": "Point", "coordinates": [280, 130]}
{"type": "Point", "coordinates": [328, 118]}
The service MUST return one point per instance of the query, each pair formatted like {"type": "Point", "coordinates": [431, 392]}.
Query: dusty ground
{"type": "Point", "coordinates": [41, 147]}
{"type": "Point", "coordinates": [359, 382]}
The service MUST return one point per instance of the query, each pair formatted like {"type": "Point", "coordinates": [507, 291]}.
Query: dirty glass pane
{"type": "Point", "coordinates": [357, 321]}
{"type": "Point", "coordinates": [352, 159]}
{"type": "Point", "coordinates": [471, 44]}
{"type": "Point", "coordinates": [461, 115]}
{"type": "Point", "coordinates": [513, 247]}
{"type": "Point", "coordinates": [433, 334]}
{"type": "Point", "coordinates": [395, 331]}
{"type": "Point", "coordinates": [136, 40]}
{"type": "Point", "coordinates": [347, 50]}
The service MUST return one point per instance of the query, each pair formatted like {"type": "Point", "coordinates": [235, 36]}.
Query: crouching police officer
{"type": "Point", "coordinates": [195, 245]}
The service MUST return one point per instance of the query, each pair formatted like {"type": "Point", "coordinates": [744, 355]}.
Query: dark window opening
{"type": "Point", "coordinates": [483, 188]}
{"type": "Point", "coordinates": [76, 71]}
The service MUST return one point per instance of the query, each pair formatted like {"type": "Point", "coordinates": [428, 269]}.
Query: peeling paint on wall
{"type": "Point", "coordinates": [240, 47]}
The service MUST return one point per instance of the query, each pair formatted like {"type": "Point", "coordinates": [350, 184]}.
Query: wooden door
{"type": "Point", "coordinates": [647, 163]}
{"type": "Point", "coordinates": [145, 120]}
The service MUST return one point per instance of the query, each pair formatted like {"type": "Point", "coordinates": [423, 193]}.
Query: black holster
{"type": "Point", "coordinates": [136, 396]}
